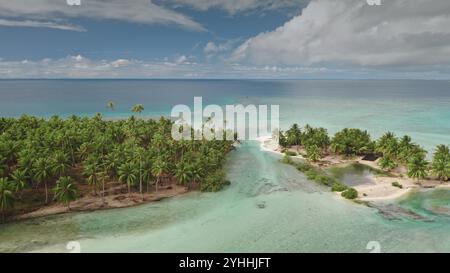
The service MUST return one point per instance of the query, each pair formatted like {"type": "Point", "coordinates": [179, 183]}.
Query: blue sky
{"type": "Point", "coordinates": [225, 39]}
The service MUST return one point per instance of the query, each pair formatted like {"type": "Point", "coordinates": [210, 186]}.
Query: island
{"type": "Point", "coordinates": [56, 165]}
{"type": "Point", "coordinates": [398, 164]}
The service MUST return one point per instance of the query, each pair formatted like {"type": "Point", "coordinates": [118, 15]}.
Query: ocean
{"type": "Point", "coordinates": [296, 215]}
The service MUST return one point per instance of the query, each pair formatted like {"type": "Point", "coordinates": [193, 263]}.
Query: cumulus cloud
{"type": "Point", "coordinates": [212, 47]}
{"type": "Point", "coordinates": [135, 11]}
{"type": "Point", "coordinates": [399, 33]}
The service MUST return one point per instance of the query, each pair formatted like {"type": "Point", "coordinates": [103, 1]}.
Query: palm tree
{"type": "Point", "coordinates": [183, 173]}
{"type": "Point", "coordinates": [158, 169]}
{"type": "Point", "coordinates": [6, 196]}
{"type": "Point", "coordinates": [313, 153]}
{"type": "Point", "coordinates": [440, 167]}
{"type": "Point", "coordinates": [293, 135]}
{"type": "Point", "coordinates": [417, 168]}
{"type": "Point", "coordinates": [138, 108]}
{"type": "Point", "coordinates": [3, 165]}
{"type": "Point", "coordinates": [65, 190]}
{"type": "Point", "coordinates": [196, 171]}
{"type": "Point", "coordinates": [387, 163]}
{"type": "Point", "coordinates": [128, 174]}
{"type": "Point", "coordinates": [42, 172]}
{"type": "Point", "coordinates": [388, 144]}
{"type": "Point", "coordinates": [20, 179]}
{"type": "Point", "coordinates": [60, 164]}
{"type": "Point", "coordinates": [93, 173]}
{"type": "Point", "coordinates": [111, 105]}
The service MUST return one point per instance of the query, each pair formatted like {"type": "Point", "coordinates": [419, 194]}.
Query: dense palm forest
{"type": "Point", "coordinates": [47, 160]}
{"type": "Point", "coordinates": [391, 150]}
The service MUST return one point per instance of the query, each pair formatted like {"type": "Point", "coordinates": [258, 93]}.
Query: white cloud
{"type": "Point", "coordinates": [181, 59]}
{"type": "Point", "coordinates": [236, 6]}
{"type": "Point", "coordinates": [40, 24]}
{"type": "Point", "coordinates": [135, 11]}
{"type": "Point", "coordinates": [81, 67]}
{"type": "Point", "coordinates": [400, 33]}
{"type": "Point", "coordinates": [212, 47]}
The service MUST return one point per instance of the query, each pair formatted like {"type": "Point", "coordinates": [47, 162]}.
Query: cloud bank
{"type": "Point", "coordinates": [236, 6]}
{"type": "Point", "coordinates": [398, 34]}
{"type": "Point", "coordinates": [134, 11]}
{"type": "Point", "coordinates": [177, 67]}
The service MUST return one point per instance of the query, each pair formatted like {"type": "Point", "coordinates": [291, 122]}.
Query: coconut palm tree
{"type": "Point", "coordinates": [387, 163]}
{"type": "Point", "coordinates": [111, 105]}
{"type": "Point", "coordinates": [42, 172]}
{"type": "Point", "coordinates": [138, 108]}
{"type": "Point", "coordinates": [3, 165]}
{"type": "Point", "coordinates": [20, 179]}
{"type": "Point", "coordinates": [93, 175]}
{"type": "Point", "coordinates": [65, 190]}
{"type": "Point", "coordinates": [293, 135]}
{"type": "Point", "coordinates": [196, 171]}
{"type": "Point", "coordinates": [440, 167]}
{"type": "Point", "coordinates": [183, 173]}
{"type": "Point", "coordinates": [60, 164]}
{"type": "Point", "coordinates": [128, 174]}
{"type": "Point", "coordinates": [158, 169]}
{"type": "Point", "coordinates": [388, 145]}
{"type": "Point", "coordinates": [417, 168]}
{"type": "Point", "coordinates": [313, 153]}
{"type": "Point", "coordinates": [6, 196]}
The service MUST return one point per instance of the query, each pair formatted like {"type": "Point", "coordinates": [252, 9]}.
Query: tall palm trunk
{"type": "Point", "coordinates": [103, 185]}
{"type": "Point", "coordinates": [103, 192]}
{"type": "Point", "coordinates": [157, 183]}
{"type": "Point", "coordinates": [46, 192]}
{"type": "Point", "coordinates": [140, 178]}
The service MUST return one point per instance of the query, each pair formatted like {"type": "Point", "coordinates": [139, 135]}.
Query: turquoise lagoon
{"type": "Point", "coordinates": [269, 207]}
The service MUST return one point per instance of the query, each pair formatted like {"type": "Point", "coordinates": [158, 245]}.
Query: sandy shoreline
{"type": "Point", "coordinates": [111, 201]}
{"type": "Point", "coordinates": [381, 190]}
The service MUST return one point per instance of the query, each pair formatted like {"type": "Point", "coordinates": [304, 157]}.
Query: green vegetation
{"type": "Point", "coordinates": [79, 155]}
{"type": "Point", "coordinates": [312, 173]}
{"type": "Point", "coordinates": [349, 142]}
{"type": "Point", "coordinates": [290, 153]}
{"type": "Point", "coordinates": [350, 193]}
{"type": "Point", "coordinates": [387, 163]}
{"type": "Point", "coordinates": [398, 185]}
{"type": "Point", "coordinates": [440, 167]}
{"type": "Point", "coordinates": [313, 153]}
{"type": "Point", "coordinates": [417, 167]}
{"type": "Point", "coordinates": [338, 187]}
{"type": "Point", "coordinates": [6, 196]}
{"type": "Point", "coordinates": [65, 190]}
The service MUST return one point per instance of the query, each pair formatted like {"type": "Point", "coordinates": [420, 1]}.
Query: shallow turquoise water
{"type": "Point", "coordinates": [269, 207]}
{"type": "Point", "coordinates": [298, 216]}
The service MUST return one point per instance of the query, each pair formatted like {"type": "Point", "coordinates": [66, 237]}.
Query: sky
{"type": "Point", "coordinates": [280, 39]}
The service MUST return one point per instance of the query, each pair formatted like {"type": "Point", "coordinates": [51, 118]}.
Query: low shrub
{"type": "Point", "coordinates": [350, 193]}
{"type": "Point", "coordinates": [214, 182]}
{"type": "Point", "coordinates": [287, 160]}
{"type": "Point", "coordinates": [338, 187]}
{"type": "Point", "coordinates": [398, 185]}
{"type": "Point", "coordinates": [290, 153]}
{"type": "Point", "coordinates": [304, 167]}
